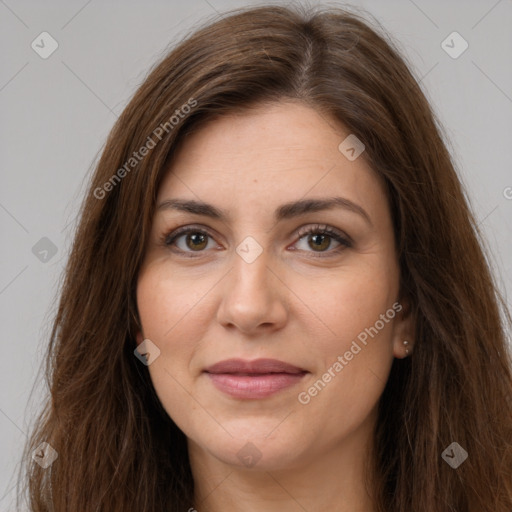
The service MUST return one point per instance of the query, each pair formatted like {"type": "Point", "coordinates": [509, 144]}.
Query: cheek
{"type": "Point", "coordinates": [348, 302]}
{"type": "Point", "coordinates": [357, 314]}
{"type": "Point", "coordinates": [169, 309]}
{"type": "Point", "coordinates": [168, 300]}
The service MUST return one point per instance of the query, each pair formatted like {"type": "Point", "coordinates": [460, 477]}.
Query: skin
{"type": "Point", "coordinates": [300, 301]}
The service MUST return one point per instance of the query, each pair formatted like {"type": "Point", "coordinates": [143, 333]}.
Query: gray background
{"type": "Point", "coordinates": [57, 112]}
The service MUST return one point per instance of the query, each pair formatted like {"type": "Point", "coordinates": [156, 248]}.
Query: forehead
{"type": "Point", "coordinates": [275, 153]}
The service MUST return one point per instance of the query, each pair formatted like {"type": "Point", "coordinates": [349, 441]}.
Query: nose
{"type": "Point", "coordinates": [254, 297]}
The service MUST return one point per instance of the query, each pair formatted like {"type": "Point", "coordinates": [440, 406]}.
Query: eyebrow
{"type": "Point", "coordinates": [285, 211]}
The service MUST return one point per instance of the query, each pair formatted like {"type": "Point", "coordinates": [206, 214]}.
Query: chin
{"type": "Point", "coordinates": [257, 445]}
{"type": "Point", "coordinates": [257, 456]}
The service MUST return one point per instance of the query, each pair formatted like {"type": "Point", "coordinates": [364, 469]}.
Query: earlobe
{"type": "Point", "coordinates": [404, 328]}
{"type": "Point", "coordinates": [136, 327]}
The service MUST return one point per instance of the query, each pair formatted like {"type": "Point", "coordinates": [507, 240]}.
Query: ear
{"type": "Point", "coordinates": [404, 330]}
{"type": "Point", "coordinates": [136, 327]}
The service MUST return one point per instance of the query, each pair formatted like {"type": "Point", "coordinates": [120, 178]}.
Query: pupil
{"type": "Point", "coordinates": [197, 239]}
{"type": "Point", "coordinates": [318, 243]}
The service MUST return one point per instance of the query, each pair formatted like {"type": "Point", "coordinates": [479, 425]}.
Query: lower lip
{"type": "Point", "coordinates": [257, 386]}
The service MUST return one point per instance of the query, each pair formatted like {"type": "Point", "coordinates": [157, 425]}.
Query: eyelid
{"type": "Point", "coordinates": [324, 228]}
{"type": "Point", "coordinates": [172, 235]}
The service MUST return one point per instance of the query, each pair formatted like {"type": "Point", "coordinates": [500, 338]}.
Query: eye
{"type": "Point", "coordinates": [190, 239]}
{"type": "Point", "coordinates": [320, 237]}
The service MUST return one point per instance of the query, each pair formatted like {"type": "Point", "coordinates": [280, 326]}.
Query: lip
{"type": "Point", "coordinates": [259, 378]}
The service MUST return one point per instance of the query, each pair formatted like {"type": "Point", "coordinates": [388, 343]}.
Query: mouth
{"type": "Point", "coordinates": [260, 378]}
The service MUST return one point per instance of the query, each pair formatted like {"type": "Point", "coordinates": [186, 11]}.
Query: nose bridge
{"type": "Point", "coordinates": [251, 267]}
{"type": "Point", "coordinates": [252, 295]}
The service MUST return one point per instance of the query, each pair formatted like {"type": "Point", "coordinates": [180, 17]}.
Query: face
{"type": "Point", "coordinates": [258, 269]}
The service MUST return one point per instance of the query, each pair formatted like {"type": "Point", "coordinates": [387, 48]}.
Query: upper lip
{"type": "Point", "coordinates": [256, 366]}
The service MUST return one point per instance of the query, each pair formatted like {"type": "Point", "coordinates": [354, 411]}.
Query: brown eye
{"type": "Point", "coordinates": [188, 240]}
{"type": "Point", "coordinates": [320, 238]}
{"type": "Point", "coordinates": [320, 242]}
{"type": "Point", "coordinates": [196, 240]}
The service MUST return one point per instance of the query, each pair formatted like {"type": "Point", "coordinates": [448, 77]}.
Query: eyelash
{"type": "Point", "coordinates": [317, 229]}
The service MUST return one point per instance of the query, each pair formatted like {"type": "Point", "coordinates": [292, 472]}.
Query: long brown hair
{"type": "Point", "coordinates": [117, 448]}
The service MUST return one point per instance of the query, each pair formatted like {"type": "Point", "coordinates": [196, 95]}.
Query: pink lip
{"type": "Point", "coordinates": [253, 379]}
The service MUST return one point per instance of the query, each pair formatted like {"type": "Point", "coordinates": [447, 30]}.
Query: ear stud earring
{"type": "Point", "coordinates": [406, 348]}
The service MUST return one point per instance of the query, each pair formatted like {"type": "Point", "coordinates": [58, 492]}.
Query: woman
{"type": "Point", "coordinates": [277, 298]}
